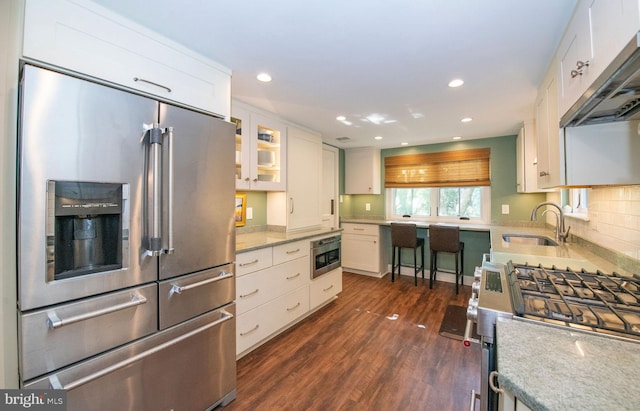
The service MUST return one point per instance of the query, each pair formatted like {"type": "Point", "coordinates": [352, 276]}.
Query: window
{"type": "Point", "coordinates": [444, 186]}
{"type": "Point", "coordinates": [577, 199]}
{"type": "Point", "coordinates": [440, 204]}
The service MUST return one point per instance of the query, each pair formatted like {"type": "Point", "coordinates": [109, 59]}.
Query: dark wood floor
{"type": "Point", "coordinates": [351, 355]}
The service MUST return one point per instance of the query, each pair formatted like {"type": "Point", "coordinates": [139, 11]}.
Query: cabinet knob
{"type": "Point", "coordinates": [580, 66]}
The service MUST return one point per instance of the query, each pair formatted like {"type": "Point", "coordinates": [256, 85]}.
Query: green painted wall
{"type": "Point", "coordinates": [503, 191]}
{"type": "Point", "coordinates": [257, 200]}
{"type": "Point", "coordinates": [503, 180]}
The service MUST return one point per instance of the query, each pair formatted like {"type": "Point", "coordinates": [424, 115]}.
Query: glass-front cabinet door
{"type": "Point", "coordinates": [260, 151]}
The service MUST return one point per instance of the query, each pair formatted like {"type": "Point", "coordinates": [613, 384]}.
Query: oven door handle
{"type": "Point", "coordinates": [55, 383]}
{"type": "Point", "coordinates": [56, 322]}
{"type": "Point", "coordinates": [467, 340]}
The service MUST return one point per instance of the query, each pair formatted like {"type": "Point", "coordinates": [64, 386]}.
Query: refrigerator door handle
{"type": "Point", "coordinates": [155, 231]}
{"type": "Point", "coordinates": [169, 246]}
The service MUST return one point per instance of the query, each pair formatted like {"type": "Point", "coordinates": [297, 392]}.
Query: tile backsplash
{"type": "Point", "coordinates": [614, 219]}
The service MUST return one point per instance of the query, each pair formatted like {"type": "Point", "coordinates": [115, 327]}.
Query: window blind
{"type": "Point", "coordinates": [460, 168]}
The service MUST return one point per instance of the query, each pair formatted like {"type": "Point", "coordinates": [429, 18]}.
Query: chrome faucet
{"type": "Point", "coordinates": [561, 233]}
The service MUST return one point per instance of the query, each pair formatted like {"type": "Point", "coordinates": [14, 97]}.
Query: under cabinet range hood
{"type": "Point", "coordinates": [614, 95]}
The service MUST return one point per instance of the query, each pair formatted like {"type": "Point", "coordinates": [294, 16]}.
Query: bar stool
{"type": "Point", "coordinates": [445, 239]}
{"type": "Point", "coordinates": [405, 235]}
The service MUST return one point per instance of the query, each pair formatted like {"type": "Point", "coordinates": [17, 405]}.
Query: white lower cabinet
{"type": "Point", "coordinates": [361, 249]}
{"type": "Point", "coordinates": [325, 287]}
{"type": "Point", "coordinates": [274, 290]}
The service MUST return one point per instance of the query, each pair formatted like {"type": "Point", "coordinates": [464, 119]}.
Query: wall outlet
{"type": "Point", "coordinates": [505, 209]}
{"type": "Point", "coordinates": [367, 206]}
{"type": "Point", "coordinates": [249, 213]}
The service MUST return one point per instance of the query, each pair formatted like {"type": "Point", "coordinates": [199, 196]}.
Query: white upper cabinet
{"type": "Point", "coordinates": [551, 165]}
{"type": "Point", "coordinates": [362, 170]}
{"type": "Point", "coordinates": [526, 159]}
{"type": "Point", "coordinates": [304, 181]}
{"type": "Point", "coordinates": [299, 207]}
{"type": "Point", "coordinates": [261, 147]}
{"type": "Point", "coordinates": [597, 32]}
{"type": "Point", "coordinates": [85, 38]}
{"type": "Point", "coordinates": [330, 194]}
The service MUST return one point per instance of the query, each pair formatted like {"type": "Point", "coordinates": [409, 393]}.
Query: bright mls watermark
{"type": "Point", "coordinates": [33, 400]}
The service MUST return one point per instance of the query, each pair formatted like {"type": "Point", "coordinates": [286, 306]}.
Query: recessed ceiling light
{"type": "Point", "coordinates": [466, 119]}
{"type": "Point", "coordinates": [456, 83]}
{"type": "Point", "coordinates": [264, 77]}
{"type": "Point", "coordinates": [457, 138]}
{"type": "Point", "coordinates": [341, 118]}
{"type": "Point", "coordinates": [404, 143]}
{"type": "Point", "coordinates": [378, 137]}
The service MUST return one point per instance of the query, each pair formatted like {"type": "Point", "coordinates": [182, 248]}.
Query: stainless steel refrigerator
{"type": "Point", "coordinates": [126, 242]}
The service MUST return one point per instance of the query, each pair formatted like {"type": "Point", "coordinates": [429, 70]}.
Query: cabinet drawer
{"type": "Point", "coordinates": [290, 251]}
{"type": "Point", "coordinates": [290, 275]}
{"type": "Point", "coordinates": [265, 285]}
{"type": "Point", "coordinates": [253, 261]}
{"type": "Point", "coordinates": [251, 328]}
{"type": "Point", "coordinates": [366, 229]}
{"type": "Point", "coordinates": [259, 323]}
{"type": "Point", "coordinates": [325, 287]}
{"type": "Point", "coordinates": [254, 289]}
{"type": "Point", "coordinates": [289, 307]}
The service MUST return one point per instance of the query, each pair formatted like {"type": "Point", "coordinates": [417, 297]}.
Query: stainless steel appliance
{"type": "Point", "coordinates": [126, 241]}
{"type": "Point", "coordinates": [325, 255]}
{"type": "Point", "coordinates": [592, 302]}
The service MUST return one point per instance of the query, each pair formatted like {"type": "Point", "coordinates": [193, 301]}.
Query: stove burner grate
{"type": "Point", "coordinates": [601, 302]}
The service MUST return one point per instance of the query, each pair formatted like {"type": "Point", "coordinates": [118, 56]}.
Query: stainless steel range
{"type": "Point", "coordinates": [593, 302]}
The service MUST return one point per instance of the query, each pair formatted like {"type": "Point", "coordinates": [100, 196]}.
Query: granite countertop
{"type": "Point", "coordinates": [571, 254]}
{"type": "Point", "coordinates": [558, 368]}
{"type": "Point", "coordinates": [464, 226]}
{"type": "Point", "coordinates": [261, 239]}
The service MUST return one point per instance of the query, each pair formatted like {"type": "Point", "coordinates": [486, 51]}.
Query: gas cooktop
{"type": "Point", "coordinates": [592, 301]}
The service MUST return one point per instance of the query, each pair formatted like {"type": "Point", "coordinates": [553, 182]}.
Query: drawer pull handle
{"type": "Point", "coordinates": [141, 80]}
{"type": "Point", "coordinates": [293, 276]}
{"type": "Point", "coordinates": [294, 307]}
{"type": "Point", "coordinates": [56, 322]}
{"type": "Point", "coordinates": [250, 331]}
{"type": "Point", "coordinates": [358, 229]}
{"type": "Point", "coordinates": [249, 263]}
{"type": "Point", "coordinates": [177, 289]}
{"type": "Point", "coordinates": [250, 294]}
{"type": "Point", "coordinates": [297, 250]}
{"type": "Point", "coordinates": [328, 288]}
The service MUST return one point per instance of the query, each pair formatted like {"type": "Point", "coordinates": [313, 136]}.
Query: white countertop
{"type": "Point", "coordinates": [552, 368]}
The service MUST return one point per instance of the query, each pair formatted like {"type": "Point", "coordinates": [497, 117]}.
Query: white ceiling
{"type": "Point", "coordinates": [359, 58]}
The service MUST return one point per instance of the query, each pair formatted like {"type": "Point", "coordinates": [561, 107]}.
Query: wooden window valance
{"type": "Point", "coordinates": [445, 169]}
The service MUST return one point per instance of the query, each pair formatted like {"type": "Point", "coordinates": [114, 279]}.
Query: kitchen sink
{"type": "Point", "coordinates": [529, 239]}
